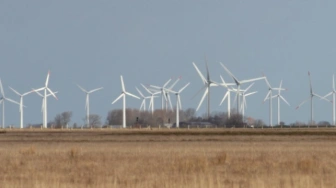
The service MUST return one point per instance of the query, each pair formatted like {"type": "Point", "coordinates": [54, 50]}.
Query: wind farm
{"type": "Point", "coordinates": [192, 94]}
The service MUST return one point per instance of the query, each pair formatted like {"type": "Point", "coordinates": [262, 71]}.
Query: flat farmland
{"type": "Point", "coordinates": [168, 158]}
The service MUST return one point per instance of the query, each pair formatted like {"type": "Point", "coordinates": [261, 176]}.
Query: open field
{"type": "Point", "coordinates": [168, 158]}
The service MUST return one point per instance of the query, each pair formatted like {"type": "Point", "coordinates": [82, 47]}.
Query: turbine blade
{"type": "Point", "coordinates": [226, 94]}
{"type": "Point", "coordinates": [267, 96]}
{"type": "Point", "coordinates": [11, 100]}
{"type": "Point", "coordinates": [249, 87]}
{"type": "Point", "coordinates": [52, 93]}
{"type": "Point", "coordinates": [233, 77]}
{"type": "Point", "coordinates": [184, 87]}
{"type": "Point", "coordinates": [179, 101]}
{"type": "Point", "coordinates": [170, 103]}
{"type": "Point", "coordinates": [140, 92]}
{"type": "Point", "coordinates": [302, 103]}
{"type": "Point", "coordinates": [130, 94]}
{"type": "Point", "coordinates": [310, 84]}
{"type": "Point", "coordinates": [94, 90]}
{"type": "Point", "coordinates": [15, 91]}
{"type": "Point", "coordinates": [251, 80]}
{"type": "Point", "coordinates": [284, 100]}
{"type": "Point", "coordinates": [204, 95]}
{"type": "Point", "coordinates": [327, 95]}
{"type": "Point", "coordinates": [122, 83]}
{"type": "Point", "coordinates": [268, 84]}
{"type": "Point", "coordinates": [251, 93]}
{"type": "Point", "coordinates": [177, 80]}
{"type": "Point", "coordinates": [118, 98]}
{"type": "Point", "coordinates": [166, 83]}
{"type": "Point", "coordinates": [200, 74]}
{"type": "Point", "coordinates": [47, 80]}
{"type": "Point", "coordinates": [82, 88]}
{"type": "Point", "coordinates": [1, 89]}
{"type": "Point", "coordinates": [146, 89]}
{"type": "Point", "coordinates": [314, 94]}
{"type": "Point", "coordinates": [199, 91]}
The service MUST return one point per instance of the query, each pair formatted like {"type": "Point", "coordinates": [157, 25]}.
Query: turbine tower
{"type": "Point", "coordinates": [207, 84]}
{"type": "Point", "coordinates": [46, 89]}
{"type": "Point", "coordinates": [123, 95]}
{"type": "Point", "coordinates": [239, 83]}
{"type": "Point", "coordinates": [2, 100]}
{"type": "Point", "coordinates": [312, 95]}
{"type": "Point", "coordinates": [279, 96]}
{"type": "Point", "coordinates": [333, 92]}
{"type": "Point", "coordinates": [21, 104]}
{"type": "Point", "coordinates": [87, 102]}
{"type": "Point", "coordinates": [269, 97]}
{"type": "Point", "coordinates": [178, 104]}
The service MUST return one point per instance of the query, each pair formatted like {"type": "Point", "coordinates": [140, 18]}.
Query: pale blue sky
{"type": "Point", "coordinates": [93, 42]}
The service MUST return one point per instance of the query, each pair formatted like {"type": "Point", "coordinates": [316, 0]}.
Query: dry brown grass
{"type": "Point", "coordinates": [166, 159]}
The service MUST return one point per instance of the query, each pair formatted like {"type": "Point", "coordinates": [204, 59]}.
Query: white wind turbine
{"type": "Point", "coordinates": [21, 104]}
{"type": "Point", "coordinates": [39, 94]}
{"type": "Point", "coordinates": [2, 100]}
{"type": "Point", "coordinates": [87, 102]}
{"type": "Point", "coordinates": [243, 94]}
{"type": "Point", "coordinates": [151, 103]}
{"type": "Point", "coordinates": [163, 92]}
{"type": "Point", "coordinates": [123, 95]}
{"type": "Point", "coordinates": [239, 83]}
{"type": "Point", "coordinates": [168, 91]}
{"type": "Point", "coordinates": [269, 97]}
{"type": "Point", "coordinates": [279, 96]}
{"type": "Point", "coordinates": [46, 89]}
{"type": "Point", "coordinates": [144, 98]}
{"type": "Point", "coordinates": [333, 92]}
{"type": "Point", "coordinates": [227, 95]}
{"type": "Point", "coordinates": [178, 104]}
{"type": "Point", "coordinates": [207, 84]}
{"type": "Point", "coordinates": [312, 94]}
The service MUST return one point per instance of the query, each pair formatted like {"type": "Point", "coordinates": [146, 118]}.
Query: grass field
{"type": "Point", "coordinates": [168, 158]}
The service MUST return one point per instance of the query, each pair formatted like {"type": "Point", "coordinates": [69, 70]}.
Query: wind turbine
{"type": "Point", "coordinates": [144, 98]}
{"type": "Point", "coordinates": [87, 102]}
{"type": "Point", "coordinates": [243, 94]}
{"type": "Point", "coordinates": [46, 89]}
{"type": "Point", "coordinates": [123, 95]}
{"type": "Point", "coordinates": [312, 94]}
{"type": "Point", "coordinates": [168, 90]}
{"type": "Point", "coordinates": [151, 104]}
{"type": "Point", "coordinates": [269, 97]}
{"type": "Point", "coordinates": [163, 92]}
{"type": "Point", "coordinates": [2, 100]}
{"type": "Point", "coordinates": [39, 94]}
{"type": "Point", "coordinates": [207, 84]}
{"type": "Point", "coordinates": [333, 92]}
{"type": "Point", "coordinates": [279, 96]}
{"type": "Point", "coordinates": [21, 104]}
{"type": "Point", "coordinates": [227, 95]}
{"type": "Point", "coordinates": [178, 104]}
{"type": "Point", "coordinates": [239, 83]}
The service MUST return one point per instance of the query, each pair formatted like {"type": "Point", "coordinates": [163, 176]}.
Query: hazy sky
{"type": "Point", "coordinates": [92, 43]}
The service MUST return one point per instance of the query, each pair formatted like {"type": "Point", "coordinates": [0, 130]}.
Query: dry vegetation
{"type": "Point", "coordinates": [168, 158]}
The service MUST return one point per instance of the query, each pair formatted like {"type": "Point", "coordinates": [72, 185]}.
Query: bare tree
{"type": "Point", "coordinates": [62, 119]}
{"type": "Point", "coordinates": [95, 120]}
